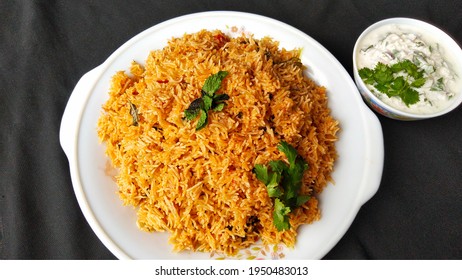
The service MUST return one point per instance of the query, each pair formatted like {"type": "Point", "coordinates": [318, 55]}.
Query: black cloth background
{"type": "Point", "coordinates": [46, 46]}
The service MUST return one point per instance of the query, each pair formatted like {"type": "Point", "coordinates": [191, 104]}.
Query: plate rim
{"type": "Point", "coordinates": [88, 82]}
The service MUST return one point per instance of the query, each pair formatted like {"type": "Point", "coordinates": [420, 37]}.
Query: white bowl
{"type": "Point", "coordinates": [430, 34]}
{"type": "Point", "coordinates": [357, 172]}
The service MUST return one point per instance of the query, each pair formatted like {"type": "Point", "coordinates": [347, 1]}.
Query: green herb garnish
{"type": "Point", "coordinates": [134, 114]}
{"type": "Point", "coordinates": [283, 182]}
{"type": "Point", "coordinates": [208, 101]}
{"type": "Point", "coordinates": [438, 86]}
{"type": "Point", "coordinates": [281, 215]}
{"type": "Point", "coordinates": [399, 79]}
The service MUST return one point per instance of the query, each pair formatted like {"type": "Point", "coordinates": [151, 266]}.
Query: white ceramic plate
{"type": "Point", "coordinates": [357, 173]}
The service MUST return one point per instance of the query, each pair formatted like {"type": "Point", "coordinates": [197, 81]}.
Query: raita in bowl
{"type": "Point", "coordinates": [407, 69]}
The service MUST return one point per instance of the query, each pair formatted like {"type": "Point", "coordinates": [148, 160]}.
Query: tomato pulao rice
{"type": "Point", "coordinates": [199, 185]}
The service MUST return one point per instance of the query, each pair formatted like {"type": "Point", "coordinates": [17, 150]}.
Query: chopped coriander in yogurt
{"type": "Point", "coordinates": [407, 70]}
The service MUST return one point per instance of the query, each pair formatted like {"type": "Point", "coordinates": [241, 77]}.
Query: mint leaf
{"type": "Point", "coordinates": [208, 100]}
{"type": "Point", "coordinates": [218, 98]}
{"type": "Point", "coordinates": [202, 120]}
{"type": "Point", "coordinates": [191, 114]}
{"type": "Point", "coordinates": [193, 109]}
{"type": "Point", "coordinates": [219, 107]}
{"type": "Point", "coordinates": [213, 83]}
{"type": "Point", "coordinates": [218, 101]}
{"type": "Point", "coordinates": [281, 215]}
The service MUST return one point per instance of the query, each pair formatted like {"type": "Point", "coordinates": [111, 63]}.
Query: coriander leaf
{"type": "Point", "coordinates": [202, 120]}
{"type": "Point", "coordinates": [269, 178]}
{"type": "Point", "coordinates": [418, 83]}
{"type": "Point", "coordinates": [383, 74]}
{"type": "Point", "coordinates": [381, 67]}
{"type": "Point", "coordinates": [410, 96]}
{"type": "Point", "coordinates": [399, 79]}
{"type": "Point", "coordinates": [280, 215]}
{"type": "Point", "coordinates": [290, 151]}
{"type": "Point", "coordinates": [283, 183]}
{"type": "Point", "coordinates": [411, 69]}
{"type": "Point", "coordinates": [367, 75]}
{"type": "Point", "coordinates": [261, 171]}
{"type": "Point", "coordinates": [273, 183]}
{"type": "Point", "coordinates": [298, 169]}
{"type": "Point", "coordinates": [293, 180]}
{"type": "Point", "coordinates": [134, 113]}
{"type": "Point", "coordinates": [296, 164]}
{"type": "Point", "coordinates": [398, 84]}
{"type": "Point", "coordinates": [278, 165]}
{"type": "Point", "coordinates": [302, 199]}
{"type": "Point", "coordinates": [382, 88]}
{"type": "Point", "coordinates": [213, 83]}
{"type": "Point", "coordinates": [366, 72]}
{"type": "Point", "coordinates": [392, 92]}
{"type": "Point", "coordinates": [397, 67]}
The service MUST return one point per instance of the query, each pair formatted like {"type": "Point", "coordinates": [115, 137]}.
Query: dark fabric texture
{"type": "Point", "coordinates": [46, 46]}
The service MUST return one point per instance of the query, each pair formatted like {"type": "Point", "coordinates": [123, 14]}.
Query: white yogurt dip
{"type": "Point", "coordinates": [392, 44]}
